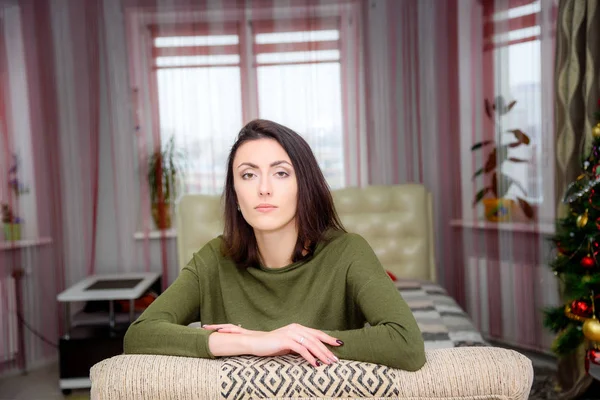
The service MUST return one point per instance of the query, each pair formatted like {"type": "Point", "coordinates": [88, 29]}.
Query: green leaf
{"type": "Point", "coordinates": [511, 105]}
{"type": "Point", "coordinates": [481, 144]}
{"type": "Point", "coordinates": [477, 173]}
{"type": "Point", "coordinates": [480, 195]}
{"type": "Point", "coordinates": [517, 160]}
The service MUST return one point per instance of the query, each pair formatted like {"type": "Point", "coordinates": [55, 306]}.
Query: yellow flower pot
{"type": "Point", "coordinates": [12, 232]}
{"type": "Point", "coordinates": [498, 210]}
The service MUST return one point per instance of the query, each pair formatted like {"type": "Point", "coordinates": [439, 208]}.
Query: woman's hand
{"type": "Point", "coordinates": [307, 342]}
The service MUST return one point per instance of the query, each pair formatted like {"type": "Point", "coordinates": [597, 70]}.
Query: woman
{"type": "Point", "coordinates": [284, 277]}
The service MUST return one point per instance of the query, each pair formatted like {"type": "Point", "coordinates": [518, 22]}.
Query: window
{"type": "Point", "coordinates": [306, 56]}
{"type": "Point", "coordinates": [199, 99]}
{"type": "Point", "coordinates": [516, 65]}
{"type": "Point", "coordinates": [210, 80]}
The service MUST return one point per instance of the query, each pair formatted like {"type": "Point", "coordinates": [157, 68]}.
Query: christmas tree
{"type": "Point", "coordinates": [577, 264]}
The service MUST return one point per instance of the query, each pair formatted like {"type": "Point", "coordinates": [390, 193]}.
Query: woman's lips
{"type": "Point", "coordinates": [265, 208]}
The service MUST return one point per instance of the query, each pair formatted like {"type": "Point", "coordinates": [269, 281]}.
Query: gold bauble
{"type": "Point", "coordinates": [591, 329]}
{"type": "Point", "coordinates": [586, 279]}
{"type": "Point", "coordinates": [596, 131]}
{"type": "Point", "coordinates": [582, 220]}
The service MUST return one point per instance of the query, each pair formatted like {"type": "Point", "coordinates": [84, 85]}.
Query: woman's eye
{"type": "Point", "coordinates": [281, 174]}
{"type": "Point", "coordinates": [247, 175]}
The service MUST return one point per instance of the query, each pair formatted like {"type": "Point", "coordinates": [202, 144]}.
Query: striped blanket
{"type": "Point", "coordinates": [442, 321]}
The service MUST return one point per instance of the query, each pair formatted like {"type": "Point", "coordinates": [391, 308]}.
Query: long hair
{"type": "Point", "coordinates": [315, 211]}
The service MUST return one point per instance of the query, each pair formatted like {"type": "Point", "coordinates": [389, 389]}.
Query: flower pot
{"type": "Point", "coordinates": [161, 213]}
{"type": "Point", "coordinates": [498, 210]}
{"type": "Point", "coordinates": [12, 232]}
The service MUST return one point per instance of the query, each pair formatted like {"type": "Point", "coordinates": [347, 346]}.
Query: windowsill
{"type": "Point", "coordinates": [25, 243]}
{"type": "Point", "coordinates": [545, 228]}
{"type": "Point", "coordinates": [166, 234]}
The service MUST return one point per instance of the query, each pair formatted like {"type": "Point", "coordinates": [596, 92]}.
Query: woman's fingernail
{"type": "Point", "coordinates": [336, 359]}
{"type": "Point", "coordinates": [339, 342]}
{"type": "Point", "coordinates": [318, 363]}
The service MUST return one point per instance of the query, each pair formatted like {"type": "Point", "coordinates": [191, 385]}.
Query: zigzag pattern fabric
{"type": "Point", "coordinates": [292, 376]}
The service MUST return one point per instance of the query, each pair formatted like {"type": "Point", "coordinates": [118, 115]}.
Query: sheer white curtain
{"type": "Point", "coordinates": [203, 70]}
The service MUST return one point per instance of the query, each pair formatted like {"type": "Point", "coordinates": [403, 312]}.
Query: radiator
{"type": "Point", "coordinates": [505, 300]}
{"type": "Point", "coordinates": [8, 316]}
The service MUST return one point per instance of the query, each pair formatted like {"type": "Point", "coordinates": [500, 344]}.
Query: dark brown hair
{"type": "Point", "coordinates": [315, 211]}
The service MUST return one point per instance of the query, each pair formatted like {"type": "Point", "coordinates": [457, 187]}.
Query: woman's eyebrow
{"type": "Point", "coordinates": [273, 164]}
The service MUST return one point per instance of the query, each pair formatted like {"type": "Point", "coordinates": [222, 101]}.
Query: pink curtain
{"type": "Point", "coordinates": [385, 92]}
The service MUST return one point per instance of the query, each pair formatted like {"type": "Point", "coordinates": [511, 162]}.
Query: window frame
{"type": "Point", "coordinates": [479, 51]}
{"type": "Point", "coordinates": [146, 96]}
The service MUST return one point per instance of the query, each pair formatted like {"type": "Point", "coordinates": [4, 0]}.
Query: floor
{"type": "Point", "coordinates": [40, 384]}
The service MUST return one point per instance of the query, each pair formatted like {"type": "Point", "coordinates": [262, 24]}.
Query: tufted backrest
{"type": "Point", "coordinates": [396, 220]}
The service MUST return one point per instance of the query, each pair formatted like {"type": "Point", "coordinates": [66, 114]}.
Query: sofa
{"type": "Point", "coordinates": [397, 222]}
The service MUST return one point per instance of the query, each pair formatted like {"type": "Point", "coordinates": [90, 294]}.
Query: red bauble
{"type": "Point", "coordinates": [594, 356]}
{"type": "Point", "coordinates": [587, 262]}
{"type": "Point", "coordinates": [581, 308]}
{"type": "Point", "coordinates": [591, 356]}
{"type": "Point", "coordinates": [392, 276]}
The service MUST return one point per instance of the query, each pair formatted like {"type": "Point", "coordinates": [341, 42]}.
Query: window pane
{"type": "Point", "coordinates": [307, 98]}
{"type": "Point", "coordinates": [297, 37]}
{"type": "Point", "coordinates": [180, 41]}
{"type": "Point", "coordinates": [524, 86]}
{"type": "Point", "coordinates": [185, 61]}
{"type": "Point", "coordinates": [298, 56]}
{"type": "Point", "coordinates": [202, 108]}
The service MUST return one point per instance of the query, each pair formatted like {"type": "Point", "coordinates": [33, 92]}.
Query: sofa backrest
{"type": "Point", "coordinates": [396, 220]}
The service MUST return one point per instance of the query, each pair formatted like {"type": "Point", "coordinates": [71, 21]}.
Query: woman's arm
{"type": "Point", "coordinates": [162, 329]}
{"type": "Point", "coordinates": [394, 338]}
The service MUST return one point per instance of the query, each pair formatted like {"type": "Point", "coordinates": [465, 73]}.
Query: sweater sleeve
{"type": "Point", "coordinates": [393, 337]}
{"type": "Point", "coordinates": [162, 328]}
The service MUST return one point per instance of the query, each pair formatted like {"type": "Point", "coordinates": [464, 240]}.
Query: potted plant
{"type": "Point", "coordinates": [11, 222]}
{"type": "Point", "coordinates": [497, 206]}
{"type": "Point", "coordinates": [164, 168]}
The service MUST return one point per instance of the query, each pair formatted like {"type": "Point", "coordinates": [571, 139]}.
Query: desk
{"type": "Point", "coordinates": [84, 344]}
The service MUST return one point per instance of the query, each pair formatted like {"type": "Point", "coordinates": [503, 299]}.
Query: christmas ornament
{"type": "Point", "coordinates": [587, 262]}
{"type": "Point", "coordinates": [591, 329]}
{"type": "Point", "coordinates": [591, 356]}
{"type": "Point", "coordinates": [580, 187]}
{"type": "Point", "coordinates": [586, 279]}
{"type": "Point", "coordinates": [594, 355]}
{"type": "Point", "coordinates": [581, 308]}
{"type": "Point", "coordinates": [582, 219]}
{"type": "Point", "coordinates": [596, 131]}
{"type": "Point", "coordinates": [578, 310]}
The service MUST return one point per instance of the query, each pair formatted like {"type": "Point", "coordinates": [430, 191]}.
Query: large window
{"type": "Point", "coordinates": [517, 67]}
{"type": "Point", "coordinates": [210, 81]}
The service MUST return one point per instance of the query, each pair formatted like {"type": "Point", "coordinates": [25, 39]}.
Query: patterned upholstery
{"type": "Point", "coordinates": [469, 373]}
{"type": "Point", "coordinates": [442, 321]}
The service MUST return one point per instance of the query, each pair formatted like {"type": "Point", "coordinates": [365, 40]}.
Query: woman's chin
{"type": "Point", "coordinates": [268, 226]}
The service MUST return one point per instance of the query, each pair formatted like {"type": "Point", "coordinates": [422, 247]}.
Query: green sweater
{"type": "Point", "coordinates": [338, 290]}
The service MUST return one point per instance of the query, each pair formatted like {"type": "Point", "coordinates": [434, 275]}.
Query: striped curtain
{"type": "Point", "coordinates": [577, 98]}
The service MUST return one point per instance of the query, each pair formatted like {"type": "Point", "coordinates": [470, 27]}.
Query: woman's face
{"type": "Point", "coordinates": [265, 185]}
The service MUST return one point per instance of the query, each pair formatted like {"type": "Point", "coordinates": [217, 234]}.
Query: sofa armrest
{"type": "Point", "coordinates": [475, 373]}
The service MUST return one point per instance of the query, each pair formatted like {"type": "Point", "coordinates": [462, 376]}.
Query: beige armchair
{"type": "Point", "coordinates": [397, 222]}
